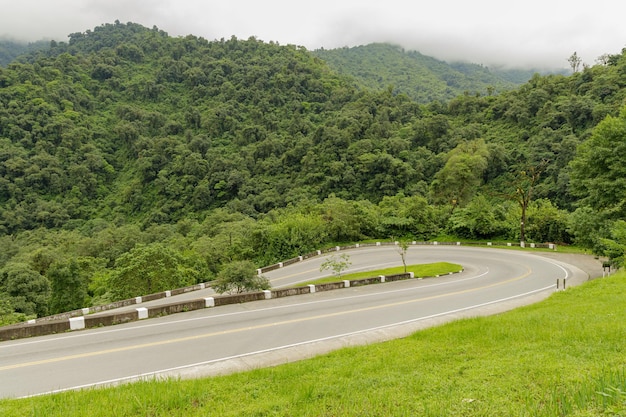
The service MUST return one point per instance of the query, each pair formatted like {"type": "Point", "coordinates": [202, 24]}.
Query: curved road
{"type": "Point", "coordinates": [244, 336]}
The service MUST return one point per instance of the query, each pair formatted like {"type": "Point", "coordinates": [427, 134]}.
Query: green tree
{"type": "Point", "coordinates": [70, 281]}
{"type": "Point", "coordinates": [342, 220]}
{"type": "Point", "coordinates": [147, 269]}
{"type": "Point", "coordinates": [423, 223]}
{"type": "Point", "coordinates": [393, 219]}
{"type": "Point", "coordinates": [546, 223]}
{"type": "Point", "coordinates": [574, 62]}
{"type": "Point", "coordinates": [337, 264]}
{"type": "Point", "coordinates": [238, 277]}
{"type": "Point", "coordinates": [458, 180]}
{"type": "Point", "coordinates": [614, 246]}
{"type": "Point", "coordinates": [480, 219]}
{"type": "Point", "coordinates": [525, 183]}
{"type": "Point", "coordinates": [598, 172]}
{"type": "Point", "coordinates": [290, 234]}
{"type": "Point", "coordinates": [403, 247]}
{"type": "Point", "coordinates": [587, 226]}
{"type": "Point", "coordinates": [7, 313]}
{"type": "Point", "coordinates": [29, 291]}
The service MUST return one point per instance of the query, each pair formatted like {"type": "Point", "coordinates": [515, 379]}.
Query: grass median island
{"type": "Point", "coordinates": [419, 270]}
{"type": "Point", "coordinates": [565, 356]}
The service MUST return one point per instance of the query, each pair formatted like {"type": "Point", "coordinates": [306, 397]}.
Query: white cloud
{"type": "Point", "coordinates": [530, 33]}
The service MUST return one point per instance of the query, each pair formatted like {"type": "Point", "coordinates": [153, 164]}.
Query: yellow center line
{"type": "Point", "coordinates": [294, 275]}
{"type": "Point", "coordinates": [248, 328]}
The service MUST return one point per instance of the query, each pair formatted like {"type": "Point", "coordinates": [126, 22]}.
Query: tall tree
{"type": "Point", "coordinates": [403, 247]}
{"type": "Point", "coordinates": [525, 183]}
{"type": "Point", "coordinates": [574, 62]}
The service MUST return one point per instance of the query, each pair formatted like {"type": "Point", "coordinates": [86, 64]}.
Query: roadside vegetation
{"type": "Point", "coordinates": [564, 356]}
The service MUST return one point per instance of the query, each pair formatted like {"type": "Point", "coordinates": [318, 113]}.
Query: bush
{"type": "Point", "coordinates": [238, 277]}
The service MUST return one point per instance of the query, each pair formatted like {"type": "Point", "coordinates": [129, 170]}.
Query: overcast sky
{"type": "Point", "coordinates": [530, 33]}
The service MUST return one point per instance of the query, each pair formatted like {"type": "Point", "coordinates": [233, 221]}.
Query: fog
{"type": "Point", "coordinates": [537, 34]}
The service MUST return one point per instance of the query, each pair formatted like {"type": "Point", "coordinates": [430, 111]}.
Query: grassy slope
{"type": "Point", "coordinates": [563, 356]}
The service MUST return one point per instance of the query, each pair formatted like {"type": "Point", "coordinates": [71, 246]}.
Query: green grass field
{"type": "Point", "coordinates": [565, 356]}
{"type": "Point", "coordinates": [419, 270]}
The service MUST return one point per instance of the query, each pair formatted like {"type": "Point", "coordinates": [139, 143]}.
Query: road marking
{"type": "Point", "coordinates": [153, 374]}
{"type": "Point", "coordinates": [295, 275]}
{"type": "Point", "coordinates": [249, 328]}
{"type": "Point", "coordinates": [216, 316]}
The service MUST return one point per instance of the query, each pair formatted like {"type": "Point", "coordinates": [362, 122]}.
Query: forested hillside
{"type": "Point", "coordinates": [126, 153]}
{"type": "Point", "coordinates": [422, 78]}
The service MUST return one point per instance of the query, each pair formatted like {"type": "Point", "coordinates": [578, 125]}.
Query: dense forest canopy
{"type": "Point", "coordinates": [124, 148]}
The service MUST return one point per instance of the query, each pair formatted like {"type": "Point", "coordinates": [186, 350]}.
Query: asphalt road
{"type": "Point", "coordinates": [251, 335]}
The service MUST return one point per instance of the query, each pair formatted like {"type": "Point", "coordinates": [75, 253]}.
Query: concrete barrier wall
{"type": "Point", "coordinates": [397, 277]}
{"type": "Point", "coordinates": [330, 286]}
{"type": "Point", "coordinates": [365, 281]}
{"type": "Point", "coordinates": [111, 306]}
{"type": "Point", "coordinates": [38, 329]}
{"type": "Point", "coordinates": [61, 316]}
{"type": "Point", "coordinates": [291, 261]}
{"type": "Point", "coordinates": [310, 255]}
{"type": "Point", "coordinates": [185, 290]}
{"type": "Point", "coordinates": [152, 297]}
{"type": "Point", "coordinates": [110, 320]}
{"type": "Point", "coordinates": [222, 300]}
{"type": "Point", "coordinates": [88, 310]}
{"type": "Point", "coordinates": [288, 292]}
{"type": "Point", "coordinates": [270, 268]}
{"type": "Point", "coordinates": [191, 288]}
{"type": "Point", "coordinates": [176, 308]}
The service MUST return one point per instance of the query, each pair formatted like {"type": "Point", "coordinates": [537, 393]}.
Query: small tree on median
{"type": "Point", "coordinates": [403, 246]}
{"type": "Point", "coordinates": [238, 277]}
{"type": "Point", "coordinates": [337, 264]}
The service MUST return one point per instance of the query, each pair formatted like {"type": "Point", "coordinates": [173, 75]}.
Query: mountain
{"type": "Point", "coordinates": [423, 78]}
{"type": "Point", "coordinates": [127, 121]}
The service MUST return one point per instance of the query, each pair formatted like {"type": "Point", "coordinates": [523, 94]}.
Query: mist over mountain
{"type": "Point", "coordinates": [532, 34]}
